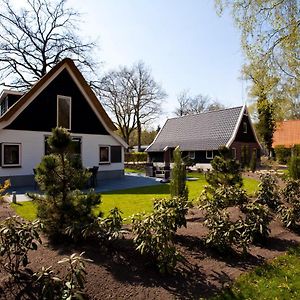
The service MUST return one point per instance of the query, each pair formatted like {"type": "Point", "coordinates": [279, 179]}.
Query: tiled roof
{"type": "Point", "coordinates": [287, 133]}
{"type": "Point", "coordinates": [206, 131]}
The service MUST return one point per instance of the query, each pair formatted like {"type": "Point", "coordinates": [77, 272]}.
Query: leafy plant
{"type": "Point", "coordinates": [16, 239]}
{"type": "Point", "coordinates": [256, 224]}
{"type": "Point", "coordinates": [3, 188]}
{"type": "Point", "coordinates": [282, 154]}
{"type": "Point", "coordinates": [290, 211]}
{"type": "Point", "coordinates": [268, 191]}
{"type": "Point", "coordinates": [178, 186]}
{"type": "Point", "coordinates": [71, 286]}
{"type": "Point", "coordinates": [294, 167]}
{"type": "Point", "coordinates": [105, 228]}
{"type": "Point", "coordinates": [154, 233]}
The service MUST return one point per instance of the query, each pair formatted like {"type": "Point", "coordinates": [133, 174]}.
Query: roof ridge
{"type": "Point", "coordinates": [206, 112]}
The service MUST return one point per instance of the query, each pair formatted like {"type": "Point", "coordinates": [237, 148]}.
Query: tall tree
{"type": "Point", "coordinates": [197, 104]}
{"type": "Point", "coordinates": [271, 36]}
{"type": "Point", "coordinates": [133, 97]}
{"type": "Point", "coordinates": [35, 37]}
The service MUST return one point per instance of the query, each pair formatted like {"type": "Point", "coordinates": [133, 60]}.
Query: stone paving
{"type": "Point", "coordinates": [130, 180]}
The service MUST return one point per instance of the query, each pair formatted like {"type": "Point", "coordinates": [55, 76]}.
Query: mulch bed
{"type": "Point", "coordinates": [120, 273]}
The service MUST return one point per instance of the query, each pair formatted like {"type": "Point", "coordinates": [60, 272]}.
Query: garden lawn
{"type": "Point", "coordinates": [132, 201]}
{"type": "Point", "coordinates": [278, 280]}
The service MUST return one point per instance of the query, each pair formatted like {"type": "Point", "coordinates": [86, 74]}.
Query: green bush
{"type": "Point", "coordinates": [231, 220]}
{"type": "Point", "coordinates": [290, 210]}
{"type": "Point", "coordinates": [296, 150]}
{"type": "Point", "coordinates": [268, 193]}
{"type": "Point", "coordinates": [154, 233]}
{"type": "Point", "coordinates": [3, 188]}
{"type": "Point", "coordinates": [178, 186]}
{"type": "Point", "coordinates": [282, 154]}
{"type": "Point", "coordinates": [105, 229]}
{"type": "Point", "coordinates": [71, 286]}
{"type": "Point", "coordinates": [16, 239]}
{"type": "Point", "coordinates": [253, 160]}
{"type": "Point", "coordinates": [136, 157]}
{"type": "Point", "coordinates": [294, 167]}
{"type": "Point", "coordinates": [256, 224]}
{"type": "Point", "coordinates": [60, 177]}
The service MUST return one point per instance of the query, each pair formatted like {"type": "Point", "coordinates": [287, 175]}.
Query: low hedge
{"type": "Point", "coordinates": [282, 154]}
{"type": "Point", "coordinates": [136, 157]}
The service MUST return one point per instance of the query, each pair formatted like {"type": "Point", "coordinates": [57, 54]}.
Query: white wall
{"type": "Point", "coordinates": [32, 148]}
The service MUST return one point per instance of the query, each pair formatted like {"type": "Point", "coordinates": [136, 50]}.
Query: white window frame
{"type": "Point", "coordinates": [192, 154]}
{"type": "Point", "coordinates": [104, 162]}
{"type": "Point", "coordinates": [2, 154]}
{"type": "Point", "coordinates": [233, 153]}
{"type": "Point", "coordinates": [245, 127]}
{"type": "Point", "coordinates": [70, 109]}
{"type": "Point", "coordinates": [212, 154]}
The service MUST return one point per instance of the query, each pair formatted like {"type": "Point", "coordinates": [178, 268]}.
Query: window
{"type": "Point", "coordinates": [104, 155]}
{"type": "Point", "coordinates": [209, 154]}
{"type": "Point", "coordinates": [115, 154]}
{"type": "Point", "coordinates": [245, 127]}
{"type": "Point", "coordinates": [3, 106]}
{"type": "Point", "coordinates": [64, 112]}
{"type": "Point", "coordinates": [191, 154]}
{"type": "Point", "coordinates": [233, 153]}
{"type": "Point", "coordinates": [11, 155]}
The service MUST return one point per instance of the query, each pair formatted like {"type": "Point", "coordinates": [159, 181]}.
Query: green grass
{"type": "Point", "coordinates": [279, 279]}
{"type": "Point", "coordinates": [128, 170]}
{"type": "Point", "coordinates": [136, 200]}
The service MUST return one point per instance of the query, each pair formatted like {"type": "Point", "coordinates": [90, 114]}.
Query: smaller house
{"type": "Point", "coordinates": [200, 136]}
{"type": "Point", "coordinates": [287, 134]}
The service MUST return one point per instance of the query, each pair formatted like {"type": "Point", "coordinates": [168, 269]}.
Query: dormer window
{"type": "Point", "coordinates": [3, 106]}
{"type": "Point", "coordinates": [64, 112]}
{"type": "Point", "coordinates": [245, 128]}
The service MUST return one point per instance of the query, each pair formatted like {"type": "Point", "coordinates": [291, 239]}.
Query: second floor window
{"type": "Point", "coordinates": [64, 112]}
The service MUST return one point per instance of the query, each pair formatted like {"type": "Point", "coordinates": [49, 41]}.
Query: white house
{"type": "Point", "coordinates": [61, 98]}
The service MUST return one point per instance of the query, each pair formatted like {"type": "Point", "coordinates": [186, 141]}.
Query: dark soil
{"type": "Point", "coordinates": [121, 273]}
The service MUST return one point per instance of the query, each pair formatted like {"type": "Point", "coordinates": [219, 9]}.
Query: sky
{"type": "Point", "coordinates": [186, 45]}
{"type": "Point", "coordinates": [184, 42]}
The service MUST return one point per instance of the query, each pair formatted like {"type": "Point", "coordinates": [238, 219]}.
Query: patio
{"type": "Point", "coordinates": [130, 180]}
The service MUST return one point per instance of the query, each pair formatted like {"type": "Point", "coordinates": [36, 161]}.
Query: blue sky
{"type": "Point", "coordinates": [184, 42]}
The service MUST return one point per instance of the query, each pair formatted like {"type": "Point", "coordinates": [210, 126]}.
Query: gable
{"type": "Point", "coordinates": [242, 136]}
{"type": "Point", "coordinates": [41, 113]}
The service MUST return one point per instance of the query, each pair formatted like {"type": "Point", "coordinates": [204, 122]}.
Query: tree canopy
{"type": "Point", "coordinates": [35, 37]}
{"type": "Point", "coordinates": [271, 40]}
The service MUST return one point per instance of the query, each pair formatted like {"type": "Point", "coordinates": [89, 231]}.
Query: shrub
{"type": "Point", "coordinates": [290, 212]}
{"type": "Point", "coordinates": [16, 239]}
{"type": "Point", "coordinates": [136, 157]}
{"type": "Point", "coordinates": [155, 232]}
{"type": "Point", "coordinates": [226, 171]}
{"type": "Point", "coordinates": [178, 186]}
{"type": "Point", "coordinates": [71, 286]}
{"type": "Point", "coordinates": [253, 160]}
{"type": "Point", "coordinates": [282, 154]}
{"type": "Point", "coordinates": [256, 224]}
{"type": "Point", "coordinates": [105, 229]}
{"type": "Point", "coordinates": [3, 188]}
{"type": "Point", "coordinates": [59, 177]}
{"type": "Point", "coordinates": [294, 167]}
{"type": "Point", "coordinates": [231, 220]}
{"type": "Point", "coordinates": [268, 191]}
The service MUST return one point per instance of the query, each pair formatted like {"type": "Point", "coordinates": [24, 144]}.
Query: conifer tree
{"type": "Point", "coordinates": [62, 206]}
{"type": "Point", "coordinates": [178, 186]}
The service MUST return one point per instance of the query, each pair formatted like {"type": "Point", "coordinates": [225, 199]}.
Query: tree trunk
{"type": "Point", "coordinates": [139, 134]}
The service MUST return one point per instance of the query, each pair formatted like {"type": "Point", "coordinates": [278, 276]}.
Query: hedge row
{"type": "Point", "coordinates": [283, 154]}
{"type": "Point", "coordinates": [136, 157]}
